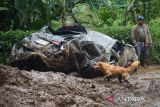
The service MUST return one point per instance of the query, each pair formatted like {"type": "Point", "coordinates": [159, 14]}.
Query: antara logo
{"type": "Point", "coordinates": [110, 99]}
{"type": "Point", "coordinates": [116, 99]}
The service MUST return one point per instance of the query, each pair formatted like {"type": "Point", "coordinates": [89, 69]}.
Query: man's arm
{"type": "Point", "coordinates": [149, 35]}
{"type": "Point", "coordinates": [149, 38]}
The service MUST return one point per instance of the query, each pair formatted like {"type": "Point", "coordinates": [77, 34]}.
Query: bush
{"type": "Point", "coordinates": [155, 56]}
{"type": "Point", "coordinates": [7, 39]}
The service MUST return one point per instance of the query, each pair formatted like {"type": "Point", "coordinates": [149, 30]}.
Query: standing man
{"type": "Point", "coordinates": [141, 39]}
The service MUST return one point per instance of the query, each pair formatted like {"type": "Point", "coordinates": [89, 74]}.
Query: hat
{"type": "Point", "coordinates": [140, 18]}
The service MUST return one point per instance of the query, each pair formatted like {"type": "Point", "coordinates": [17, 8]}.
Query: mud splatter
{"type": "Point", "coordinates": [19, 88]}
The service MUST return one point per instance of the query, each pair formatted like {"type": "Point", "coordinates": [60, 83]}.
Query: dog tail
{"type": "Point", "coordinates": [133, 66]}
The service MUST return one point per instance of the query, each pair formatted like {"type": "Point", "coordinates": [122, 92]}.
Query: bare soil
{"type": "Point", "coordinates": [20, 88]}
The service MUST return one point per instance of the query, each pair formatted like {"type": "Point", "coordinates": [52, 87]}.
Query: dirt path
{"type": "Point", "coordinates": [47, 89]}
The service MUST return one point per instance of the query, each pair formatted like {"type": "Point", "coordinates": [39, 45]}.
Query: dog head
{"type": "Point", "coordinates": [101, 66]}
{"type": "Point", "coordinates": [98, 65]}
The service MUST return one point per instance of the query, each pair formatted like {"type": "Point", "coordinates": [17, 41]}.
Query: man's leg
{"type": "Point", "coordinates": [138, 47]}
{"type": "Point", "coordinates": [145, 56]}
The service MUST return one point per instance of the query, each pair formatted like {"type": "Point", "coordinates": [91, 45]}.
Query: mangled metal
{"type": "Point", "coordinates": [75, 51]}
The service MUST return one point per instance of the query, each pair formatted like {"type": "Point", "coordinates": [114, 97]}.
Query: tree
{"type": "Point", "coordinates": [130, 9]}
{"type": "Point", "coordinates": [7, 11]}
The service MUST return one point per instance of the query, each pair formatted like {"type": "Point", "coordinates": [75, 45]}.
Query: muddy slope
{"type": "Point", "coordinates": [20, 88]}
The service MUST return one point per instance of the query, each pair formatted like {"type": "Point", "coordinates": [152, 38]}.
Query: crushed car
{"type": "Point", "coordinates": [70, 49]}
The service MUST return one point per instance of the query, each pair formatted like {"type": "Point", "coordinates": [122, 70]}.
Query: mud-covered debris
{"type": "Point", "coordinates": [20, 88]}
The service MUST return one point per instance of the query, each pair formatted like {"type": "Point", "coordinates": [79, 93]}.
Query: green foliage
{"type": "Point", "coordinates": [29, 12]}
{"type": "Point", "coordinates": [154, 26]}
{"type": "Point", "coordinates": [6, 14]}
{"type": "Point", "coordinates": [33, 14]}
{"type": "Point", "coordinates": [85, 15]}
{"type": "Point", "coordinates": [107, 15]}
{"type": "Point", "coordinates": [3, 8]}
{"type": "Point", "coordinates": [7, 39]}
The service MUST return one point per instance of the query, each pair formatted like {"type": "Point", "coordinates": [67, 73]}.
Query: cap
{"type": "Point", "coordinates": [140, 18]}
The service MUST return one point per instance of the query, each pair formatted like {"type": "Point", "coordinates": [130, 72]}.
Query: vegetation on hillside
{"type": "Point", "coordinates": [33, 14]}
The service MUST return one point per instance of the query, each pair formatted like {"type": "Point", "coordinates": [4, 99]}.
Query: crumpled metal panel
{"type": "Point", "coordinates": [67, 53]}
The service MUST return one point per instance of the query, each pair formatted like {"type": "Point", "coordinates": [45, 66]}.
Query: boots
{"type": "Point", "coordinates": [143, 63]}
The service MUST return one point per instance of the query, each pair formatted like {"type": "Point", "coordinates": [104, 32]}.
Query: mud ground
{"type": "Point", "coordinates": [19, 88]}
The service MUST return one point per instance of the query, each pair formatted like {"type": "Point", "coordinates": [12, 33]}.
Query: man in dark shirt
{"type": "Point", "coordinates": [142, 40]}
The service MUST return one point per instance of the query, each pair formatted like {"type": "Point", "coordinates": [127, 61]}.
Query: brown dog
{"type": "Point", "coordinates": [121, 72]}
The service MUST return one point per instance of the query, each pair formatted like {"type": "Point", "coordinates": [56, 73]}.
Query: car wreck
{"type": "Point", "coordinates": [67, 50]}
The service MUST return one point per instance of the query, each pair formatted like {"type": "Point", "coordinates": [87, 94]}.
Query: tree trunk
{"type": "Point", "coordinates": [149, 10]}
{"type": "Point", "coordinates": [133, 12]}
{"type": "Point", "coordinates": [144, 8]}
{"type": "Point", "coordinates": [63, 13]}
{"type": "Point", "coordinates": [125, 22]}
{"type": "Point", "coordinates": [75, 19]}
{"type": "Point", "coordinates": [130, 9]}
